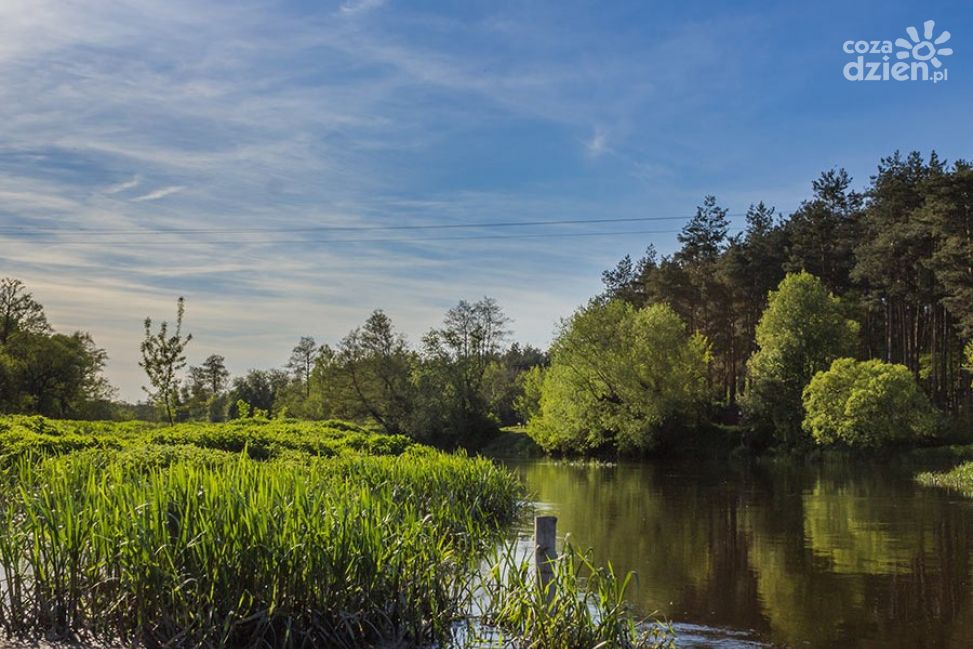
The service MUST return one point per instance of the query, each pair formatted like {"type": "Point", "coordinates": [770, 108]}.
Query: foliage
{"type": "Point", "coordinates": [375, 364]}
{"type": "Point", "coordinates": [19, 312]}
{"type": "Point", "coordinates": [301, 361]}
{"type": "Point", "coordinates": [897, 254]}
{"type": "Point", "coordinates": [204, 549]}
{"type": "Point", "coordinates": [968, 357]}
{"type": "Point", "coordinates": [259, 390]}
{"type": "Point", "coordinates": [44, 372]}
{"type": "Point", "coordinates": [594, 616]}
{"type": "Point", "coordinates": [203, 396]}
{"type": "Point", "coordinates": [261, 439]}
{"type": "Point", "coordinates": [865, 404]}
{"type": "Point", "coordinates": [527, 403]}
{"type": "Point", "coordinates": [452, 408]}
{"type": "Point", "coordinates": [260, 533]}
{"type": "Point", "coordinates": [162, 358]}
{"type": "Point", "coordinates": [618, 377]}
{"type": "Point", "coordinates": [959, 478]}
{"type": "Point", "coordinates": [801, 332]}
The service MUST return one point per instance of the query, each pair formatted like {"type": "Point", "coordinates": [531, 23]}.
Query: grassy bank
{"type": "Point", "coordinates": [959, 478]}
{"type": "Point", "coordinates": [246, 534]}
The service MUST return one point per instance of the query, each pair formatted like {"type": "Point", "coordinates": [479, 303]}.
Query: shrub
{"type": "Point", "coordinates": [865, 404]}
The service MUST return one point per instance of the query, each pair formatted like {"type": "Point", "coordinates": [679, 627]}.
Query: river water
{"type": "Point", "coordinates": [776, 555]}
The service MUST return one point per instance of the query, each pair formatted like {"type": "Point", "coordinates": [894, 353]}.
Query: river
{"type": "Point", "coordinates": [776, 554]}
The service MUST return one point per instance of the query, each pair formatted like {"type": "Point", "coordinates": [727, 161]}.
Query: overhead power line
{"type": "Point", "coordinates": [34, 231]}
{"type": "Point", "coordinates": [403, 240]}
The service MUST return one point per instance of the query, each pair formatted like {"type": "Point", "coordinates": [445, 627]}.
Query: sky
{"type": "Point", "coordinates": [261, 158]}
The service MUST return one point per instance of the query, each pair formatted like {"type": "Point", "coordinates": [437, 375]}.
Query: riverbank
{"type": "Point", "coordinates": [959, 478]}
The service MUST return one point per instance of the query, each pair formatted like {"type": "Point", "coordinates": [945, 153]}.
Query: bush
{"type": "Point", "coordinates": [865, 404]}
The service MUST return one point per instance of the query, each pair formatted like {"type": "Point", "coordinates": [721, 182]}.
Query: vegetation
{"type": "Point", "coordinates": [618, 377]}
{"type": "Point", "coordinates": [253, 533]}
{"type": "Point", "coordinates": [339, 552]}
{"type": "Point", "coordinates": [729, 328]}
{"type": "Point", "coordinates": [596, 616]}
{"type": "Point", "coordinates": [43, 371]}
{"type": "Point", "coordinates": [866, 404]}
{"type": "Point", "coordinates": [896, 256]}
{"type": "Point", "coordinates": [162, 357]}
{"type": "Point", "coordinates": [260, 438]}
{"type": "Point", "coordinates": [959, 478]}
{"type": "Point", "coordinates": [800, 333]}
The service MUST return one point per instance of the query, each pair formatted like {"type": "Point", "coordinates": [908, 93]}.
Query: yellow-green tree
{"type": "Point", "coordinates": [618, 377]}
{"type": "Point", "coordinates": [866, 404]}
{"type": "Point", "coordinates": [801, 332]}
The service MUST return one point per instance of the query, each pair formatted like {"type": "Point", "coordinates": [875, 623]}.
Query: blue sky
{"type": "Point", "coordinates": [253, 120]}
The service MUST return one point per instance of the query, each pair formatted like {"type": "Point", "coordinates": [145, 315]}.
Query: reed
{"type": "Point", "coordinates": [588, 607]}
{"type": "Point", "coordinates": [213, 553]}
{"type": "Point", "coordinates": [273, 534]}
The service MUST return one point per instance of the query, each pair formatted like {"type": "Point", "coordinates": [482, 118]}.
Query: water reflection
{"type": "Point", "coordinates": [834, 556]}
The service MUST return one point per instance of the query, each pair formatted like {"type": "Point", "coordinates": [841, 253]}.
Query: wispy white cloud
{"type": "Point", "coordinates": [159, 193]}
{"type": "Point", "coordinates": [123, 186]}
{"type": "Point", "coordinates": [278, 123]}
{"type": "Point", "coordinates": [359, 6]}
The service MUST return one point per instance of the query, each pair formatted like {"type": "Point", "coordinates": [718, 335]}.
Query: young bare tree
{"type": "Point", "coordinates": [162, 358]}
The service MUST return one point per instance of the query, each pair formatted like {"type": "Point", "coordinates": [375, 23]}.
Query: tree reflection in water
{"type": "Point", "coordinates": [834, 555]}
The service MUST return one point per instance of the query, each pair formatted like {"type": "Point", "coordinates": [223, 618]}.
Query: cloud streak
{"type": "Point", "coordinates": [123, 186]}
{"type": "Point", "coordinates": [272, 120]}
{"type": "Point", "coordinates": [359, 6]}
{"type": "Point", "coordinates": [159, 193]}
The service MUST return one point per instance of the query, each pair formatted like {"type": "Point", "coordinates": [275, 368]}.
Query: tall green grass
{"type": "Point", "coordinates": [268, 534]}
{"type": "Point", "coordinates": [959, 478]}
{"type": "Point", "coordinates": [583, 606]}
{"type": "Point", "coordinates": [343, 552]}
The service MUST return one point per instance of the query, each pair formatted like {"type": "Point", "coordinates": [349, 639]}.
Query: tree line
{"type": "Point", "coordinates": [456, 388]}
{"type": "Point", "coordinates": [778, 329]}
{"type": "Point", "coordinates": [899, 255]}
{"type": "Point", "coordinates": [883, 274]}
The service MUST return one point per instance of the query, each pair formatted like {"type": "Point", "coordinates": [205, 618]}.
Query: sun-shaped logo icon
{"type": "Point", "coordinates": [925, 48]}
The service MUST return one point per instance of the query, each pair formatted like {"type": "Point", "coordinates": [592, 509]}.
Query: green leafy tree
{"type": "Point", "coordinates": [801, 332]}
{"type": "Point", "coordinates": [527, 403]}
{"type": "Point", "coordinates": [374, 364]}
{"type": "Point", "coordinates": [866, 404]}
{"type": "Point", "coordinates": [203, 396]}
{"type": "Point", "coordinates": [452, 408]}
{"type": "Point", "coordinates": [618, 377]}
{"type": "Point", "coordinates": [162, 358]}
{"type": "Point", "coordinates": [502, 384]}
{"type": "Point", "coordinates": [260, 390]}
{"type": "Point", "coordinates": [54, 375]}
{"type": "Point", "coordinates": [19, 311]}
